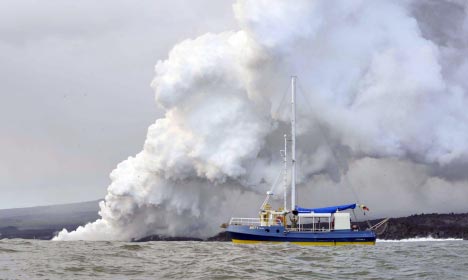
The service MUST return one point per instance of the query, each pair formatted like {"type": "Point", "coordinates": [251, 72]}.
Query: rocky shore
{"type": "Point", "coordinates": [424, 225]}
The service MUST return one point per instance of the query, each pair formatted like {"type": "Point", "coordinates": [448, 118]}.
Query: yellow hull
{"type": "Point", "coordinates": [331, 243]}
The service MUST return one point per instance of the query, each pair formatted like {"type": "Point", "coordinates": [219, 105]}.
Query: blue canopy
{"type": "Point", "coordinates": [329, 209]}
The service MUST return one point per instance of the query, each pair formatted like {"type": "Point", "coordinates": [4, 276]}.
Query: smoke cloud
{"type": "Point", "coordinates": [381, 114]}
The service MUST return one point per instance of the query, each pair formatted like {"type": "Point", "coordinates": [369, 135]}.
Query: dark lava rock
{"type": "Point", "coordinates": [166, 238]}
{"type": "Point", "coordinates": [222, 236]}
{"type": "Point", "coordinates": [424, 225]}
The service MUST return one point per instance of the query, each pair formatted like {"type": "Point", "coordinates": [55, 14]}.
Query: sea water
{"type": "Point", "coordinates": [410, 259]}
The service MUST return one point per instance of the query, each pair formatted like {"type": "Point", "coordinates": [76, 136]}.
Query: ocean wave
{"type": "Point", "coordinates": [421, 239]}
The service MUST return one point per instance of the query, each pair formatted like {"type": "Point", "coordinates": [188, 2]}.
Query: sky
{"type": "Point", "coordinates": [75, 88]}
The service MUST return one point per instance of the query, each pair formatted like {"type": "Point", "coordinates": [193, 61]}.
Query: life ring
{"type": "Point", "coordinates": [279, 220]}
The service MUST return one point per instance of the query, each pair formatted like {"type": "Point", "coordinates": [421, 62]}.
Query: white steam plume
{"type": "Point", "coordinates": [382, 82]}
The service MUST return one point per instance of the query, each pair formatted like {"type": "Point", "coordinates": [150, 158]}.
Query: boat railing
{"type": "Point", "coordinates": [245, 221]}
{"type": "Point", "coordinates": [257, 222]}
{"type": "Point", "coordinates": [302, 229]}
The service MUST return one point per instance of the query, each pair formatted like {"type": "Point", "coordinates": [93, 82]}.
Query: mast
{"type": "Point", "coordinates": [293, 143]}
{"type": "Point", "coordinates": [285, 172]}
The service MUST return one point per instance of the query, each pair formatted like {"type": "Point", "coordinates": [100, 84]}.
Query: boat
{"type": "Point", "coordinates": [304, 226]}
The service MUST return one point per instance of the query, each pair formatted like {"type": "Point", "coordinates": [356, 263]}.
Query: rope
{"type": "Point", "coordinates": [332, 151]}
{"type": "Point", "coordinates": [285, 93]}
{"type": "Point", "coordinates": [273, 187]}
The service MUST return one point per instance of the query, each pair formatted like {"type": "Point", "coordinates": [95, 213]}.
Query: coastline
{"type": "Point", "coordinates": [423, 226]}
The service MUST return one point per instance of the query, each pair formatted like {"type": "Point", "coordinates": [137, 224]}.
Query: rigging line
{"type": "Point", "coordinates": [273, 187]}
{"type": "Point", "coordinates": [333, 152]}
{"type": "Point", "coordinates": [285, 93]}
{"type": "Point", "coordinates": [355, 217]}
{"type": "Point", "coordinates": [255, 161]}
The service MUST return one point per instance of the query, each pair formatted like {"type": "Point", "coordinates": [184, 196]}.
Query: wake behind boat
{"type": "Point", "coordinates": [304, 226]}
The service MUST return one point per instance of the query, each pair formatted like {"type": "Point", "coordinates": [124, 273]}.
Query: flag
{"type": "Point", "coordinates": [363, 207]}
